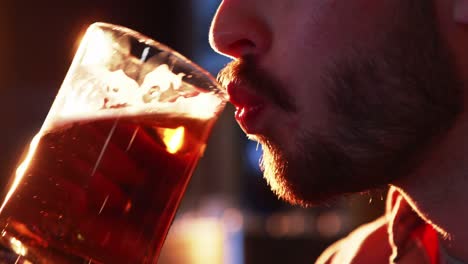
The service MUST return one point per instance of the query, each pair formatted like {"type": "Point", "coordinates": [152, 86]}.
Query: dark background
{"type": "Point", "coordinates": [37, 43]}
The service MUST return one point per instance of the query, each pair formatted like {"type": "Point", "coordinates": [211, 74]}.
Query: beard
{"type": "Point", "coordinates": [387, 106]}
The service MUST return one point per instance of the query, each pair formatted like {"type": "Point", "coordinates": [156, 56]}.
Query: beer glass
{"type": "Point", "coordinates": [101, 181]}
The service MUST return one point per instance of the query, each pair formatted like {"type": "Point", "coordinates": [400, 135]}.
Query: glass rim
{"type": "Point", "coordinates": [142, 38]}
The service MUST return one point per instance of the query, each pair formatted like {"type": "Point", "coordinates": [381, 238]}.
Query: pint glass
{"type": "Point", "coordinates": [101, 181]}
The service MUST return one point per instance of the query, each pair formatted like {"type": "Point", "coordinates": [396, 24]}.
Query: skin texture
{"type": "Point", "coordinates": [357, 95]}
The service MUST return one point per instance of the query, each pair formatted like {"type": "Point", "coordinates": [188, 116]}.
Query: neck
{"type": "Point", "coordinates": [438, 191]}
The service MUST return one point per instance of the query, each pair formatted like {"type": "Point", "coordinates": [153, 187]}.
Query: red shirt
{"type": "Point", "coordinates": [400, 236]}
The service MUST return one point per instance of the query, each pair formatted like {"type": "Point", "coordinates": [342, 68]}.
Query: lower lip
{"type": "Point", "coordinates": [248, 118]}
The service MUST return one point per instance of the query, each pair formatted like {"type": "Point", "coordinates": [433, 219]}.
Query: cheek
{"type": "Point", "coordinates": [311, 37]}
{"type": "Point", "coordinates": [299, 57]}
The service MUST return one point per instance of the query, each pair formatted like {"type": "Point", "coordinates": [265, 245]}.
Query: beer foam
{"type": "Point", "coordinates": [95, 92]}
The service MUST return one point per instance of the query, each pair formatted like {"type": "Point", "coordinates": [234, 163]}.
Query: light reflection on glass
{"type": "Point", "coordinates": [102, 47]}
{"type": "Point", "coordinates": [174, 139]}
{"type": "Point", "coordinates": [18, 247]}
{"type": "Point", "coordinates": [22, 169]}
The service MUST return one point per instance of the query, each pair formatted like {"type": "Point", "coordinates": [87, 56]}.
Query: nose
{"type": "Point", "coordinates": [238, 30]}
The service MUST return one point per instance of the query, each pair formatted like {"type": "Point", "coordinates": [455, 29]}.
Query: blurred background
{"type": "Point", "coordinates": [228, 214]}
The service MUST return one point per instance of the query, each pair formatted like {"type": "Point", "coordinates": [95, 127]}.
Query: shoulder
{"type": "Point", "coordinates": [367, 244]}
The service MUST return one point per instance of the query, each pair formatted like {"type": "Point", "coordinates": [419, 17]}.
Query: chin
{"type": "Point", "coordinates": [316, 173]}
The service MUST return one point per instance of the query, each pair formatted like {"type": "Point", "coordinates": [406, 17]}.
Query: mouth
{"type": "Point", "coordinates": [249, 107]}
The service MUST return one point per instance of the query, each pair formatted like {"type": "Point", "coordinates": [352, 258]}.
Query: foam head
{"type": "Point", "coordinates": [117, 71]}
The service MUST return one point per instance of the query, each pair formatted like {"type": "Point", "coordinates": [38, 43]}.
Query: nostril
{"type": "Point", "coordinates": [242, 47]}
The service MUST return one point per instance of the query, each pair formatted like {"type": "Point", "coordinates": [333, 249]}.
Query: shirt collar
{"type": "Point", "coordinates": [410, 237]}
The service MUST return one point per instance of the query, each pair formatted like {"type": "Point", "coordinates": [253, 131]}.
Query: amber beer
{"type": "Point", "coordinates": [102, 180]}
{"type": "Point", "coordinates": [104, 190]}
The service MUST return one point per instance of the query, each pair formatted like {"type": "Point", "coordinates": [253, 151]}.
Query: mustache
{"type": "Point", "coordinates": [245, 71]}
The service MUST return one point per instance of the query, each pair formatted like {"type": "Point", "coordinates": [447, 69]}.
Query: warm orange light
{"type": "Point", "coordinates": [18, 247]}
{"type": "Point", "coordinates": [196, 240]}
{"type": "Point", "coordinates": [24, 231]}
{"type": "Point", "coordinates": [174, 139]}
{"type": "Point", "coordinates": [20, 171]}
{"type": "Point", "coordinates": [207, 241]}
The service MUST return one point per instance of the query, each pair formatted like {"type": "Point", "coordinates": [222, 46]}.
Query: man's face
{"type": "Point", "coordinates": [344, 96]}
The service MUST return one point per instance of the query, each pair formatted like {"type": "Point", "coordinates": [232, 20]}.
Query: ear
{"type": "Point", "coordinates": [461, 11]}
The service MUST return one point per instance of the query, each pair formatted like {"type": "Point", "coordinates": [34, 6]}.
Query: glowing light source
{"type": "Point", "coordinates": [24, 231]}
{"type": "Point", "coordinates": [174, 139]}
{"type": "Point", "coordinates": [277, 225]}
{"type": "Point", "coordinates": [329, 224]}
{"type": "Point", "coordinates": [18, 247]}
{"type": "Point", "coordinates": [194, 240]}
{"type": "Point", "coordinates": [232, 220]}
{"type": "Point", "coordinates": [286, 224]}
{"type": "Point", "coordinates": [207, 238]}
